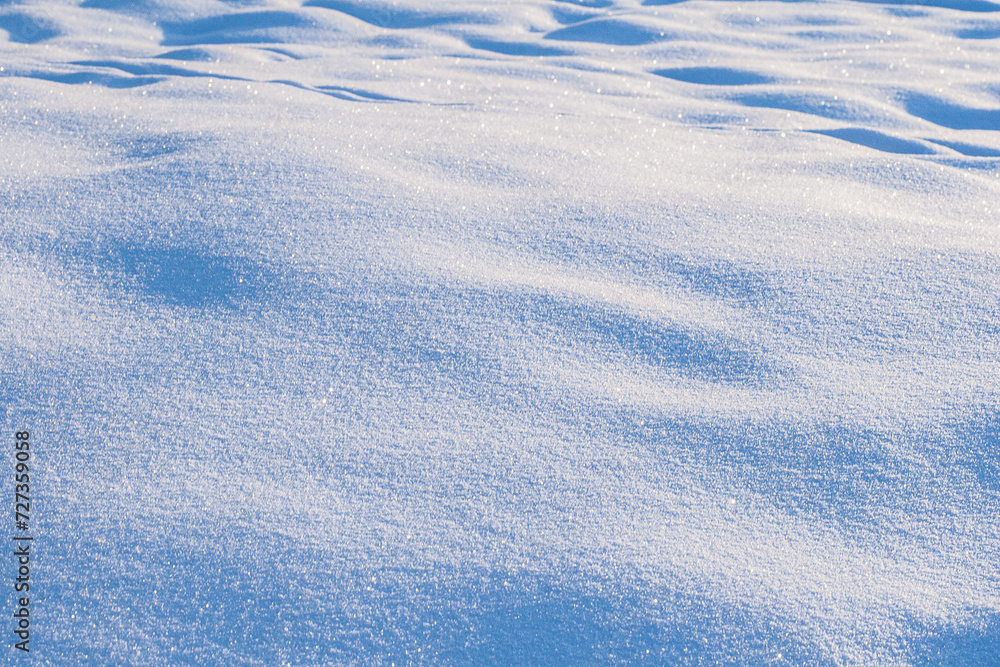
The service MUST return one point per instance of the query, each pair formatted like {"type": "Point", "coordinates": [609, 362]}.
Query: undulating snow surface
{"type": "Point", "coordinates": [538, 332]}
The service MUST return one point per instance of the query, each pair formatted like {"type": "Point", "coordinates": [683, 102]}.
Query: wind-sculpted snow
{"type": "Point", "coordinates": [542, 332]}
{"type": "Point", "coordinates": [714, 76]}
{"type": "Point", "coordinates": [951, 114]}
{"type": "Point", "coordinates": [879, 141]}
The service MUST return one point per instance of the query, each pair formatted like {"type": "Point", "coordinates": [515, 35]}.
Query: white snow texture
{"type": "Point", "coordinates": [544, 332]}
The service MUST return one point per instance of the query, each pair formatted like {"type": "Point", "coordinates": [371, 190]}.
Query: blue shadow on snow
{"type": "Point", "coordinates": [969, 150]}
{"type": "Point", "coordinates": [613, 31]}
{"type": "Point", "coordinates": [389, 15]}
{"type": "Point", "coordinates": [186, 277]}
{"type": "Point", "coordinates": [950, 114]}
{"type": "Point", "coordinates": [986, 32]}
{"type": "Point", "coordinates": [714, 76]}
{"type": "Point", "coordinates": [877, 140]}
{"type": "Point", "coordinates": [239, 28]}
{"type": "Point", "coordinates": [25, 29]}
{"type": "Point", "coordinates": [963, 647]}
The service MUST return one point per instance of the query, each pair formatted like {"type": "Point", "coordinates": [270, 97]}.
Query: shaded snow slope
{"type": "Point", "coordinates": [506, 333]}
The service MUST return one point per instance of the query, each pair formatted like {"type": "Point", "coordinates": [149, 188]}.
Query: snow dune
{"type": "Point", "coordinates": [539, 332]}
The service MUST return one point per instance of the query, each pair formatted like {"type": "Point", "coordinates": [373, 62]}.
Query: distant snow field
{"type": "Point", "coordinates": [543, 332]}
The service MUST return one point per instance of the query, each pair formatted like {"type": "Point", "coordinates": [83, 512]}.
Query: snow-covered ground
{"type": "Point", "coordinates": [540, 332]}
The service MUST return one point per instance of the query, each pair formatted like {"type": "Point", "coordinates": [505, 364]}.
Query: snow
{"type": "Point", "coordinates": [540, 332]}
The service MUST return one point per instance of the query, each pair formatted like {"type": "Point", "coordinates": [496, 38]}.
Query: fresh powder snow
{"type": "Point", "coordinates": [542, 332]}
